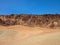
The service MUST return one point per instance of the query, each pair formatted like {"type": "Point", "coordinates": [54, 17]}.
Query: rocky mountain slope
{"type": "Point", "coordinates": [26, 29]}
{"type": "Point", "coordinates": [47, 20]}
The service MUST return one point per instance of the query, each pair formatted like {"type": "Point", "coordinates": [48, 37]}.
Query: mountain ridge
{"type": "Point", "coordinates": [47, 20]}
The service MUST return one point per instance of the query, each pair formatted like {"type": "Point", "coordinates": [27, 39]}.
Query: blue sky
{"type": "Point", "coordinates": [29, 6]}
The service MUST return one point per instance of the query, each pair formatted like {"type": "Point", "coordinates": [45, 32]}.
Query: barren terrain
{"type": "Point", "coordinates": [24, 29]}
{"type": "Point", "coordinates": [24, 35]}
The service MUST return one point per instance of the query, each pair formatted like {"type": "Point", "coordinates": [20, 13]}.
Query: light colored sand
{"type": "Point", "coordinates": [47, 39]}
{"type": "Point", "coordinates": [23, 35]}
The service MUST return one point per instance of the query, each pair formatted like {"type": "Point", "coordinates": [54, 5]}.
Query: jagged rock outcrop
{"type": "Point", "coordinates": [47, 20]}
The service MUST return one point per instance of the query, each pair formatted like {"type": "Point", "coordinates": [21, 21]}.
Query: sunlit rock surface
{"type": "Point", "coordinates": [47, 20]}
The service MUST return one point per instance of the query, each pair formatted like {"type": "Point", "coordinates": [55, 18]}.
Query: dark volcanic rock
{"type": "Point", "coordinates": [47, 20]}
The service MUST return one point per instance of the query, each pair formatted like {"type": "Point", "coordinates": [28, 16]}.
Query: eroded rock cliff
{"type": "Point", "coordinates": [47, 20]}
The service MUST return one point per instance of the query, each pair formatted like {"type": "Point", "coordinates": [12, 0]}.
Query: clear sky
{"type": "Point", "coordinates": [29, 6]}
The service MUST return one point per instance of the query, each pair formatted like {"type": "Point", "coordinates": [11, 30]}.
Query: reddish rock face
{"type": "Point", "coordinates": [47, 20]}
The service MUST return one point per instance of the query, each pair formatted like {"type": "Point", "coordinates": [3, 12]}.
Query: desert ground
{"type": "Point", "coordinates": [24, 35]}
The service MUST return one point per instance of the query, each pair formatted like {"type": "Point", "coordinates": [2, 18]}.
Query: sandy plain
{"type": "Point", "coordinates": [24, 35]}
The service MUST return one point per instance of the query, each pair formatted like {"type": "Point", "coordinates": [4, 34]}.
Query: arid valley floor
{"type": "Point", "coordinates": [23, 35]}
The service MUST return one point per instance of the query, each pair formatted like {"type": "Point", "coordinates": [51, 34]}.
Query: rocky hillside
{"type": "Point", "coordinates": [47, 20]}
